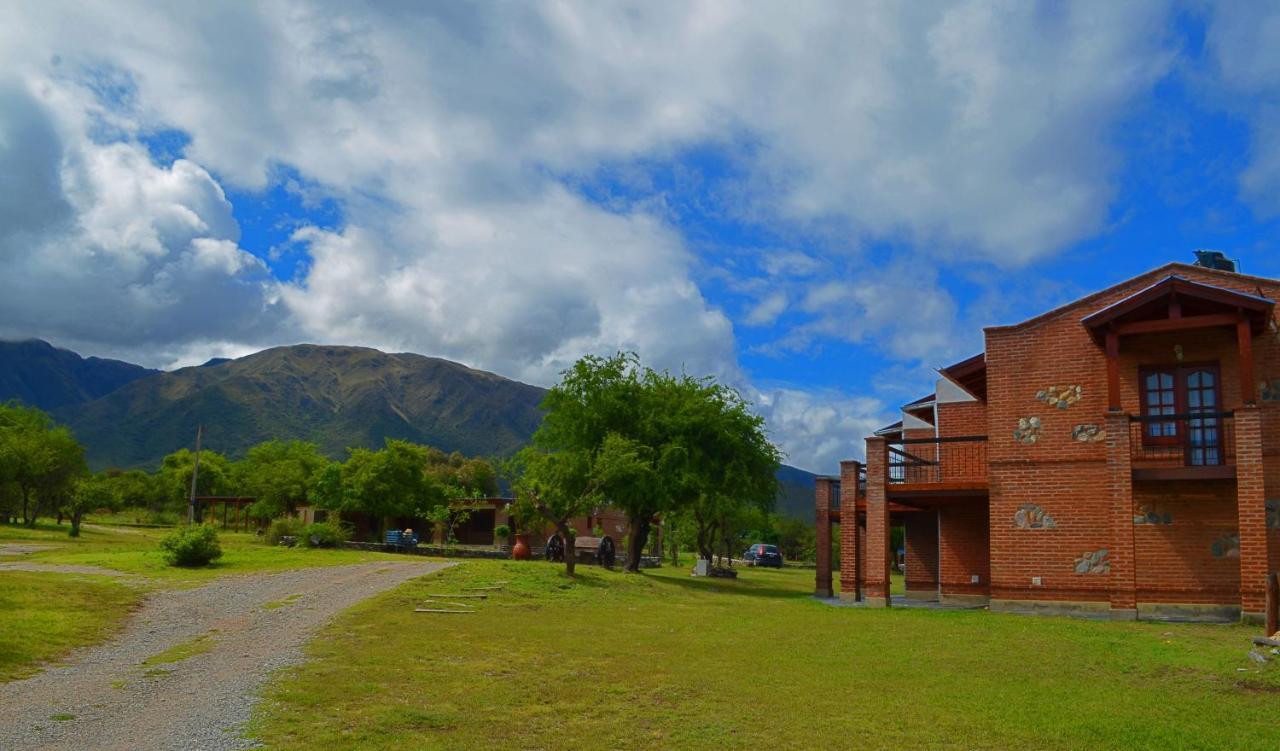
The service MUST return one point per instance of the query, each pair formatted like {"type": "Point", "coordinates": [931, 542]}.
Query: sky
{"type": "Point", "coordinates": [817, 203]}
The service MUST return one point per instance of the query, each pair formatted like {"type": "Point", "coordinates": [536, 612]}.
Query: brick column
{"type": "Point", "coordinates": [1124, 598]}
{"type": "Point", "coordinates": [876, 590]}
{"type": "Point", "coordinates": [850, 563]}
{"type": "Point", "coordinates": [824, 488]}
{"type": "Point", "coordinates": [1251, 510]}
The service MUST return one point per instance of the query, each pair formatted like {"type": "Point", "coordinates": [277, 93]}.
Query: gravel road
{"type": "Point", "coordinates": [104, 698]}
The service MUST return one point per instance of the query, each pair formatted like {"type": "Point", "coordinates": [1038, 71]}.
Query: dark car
{"type": "Point", "coordinates": [763, 555]}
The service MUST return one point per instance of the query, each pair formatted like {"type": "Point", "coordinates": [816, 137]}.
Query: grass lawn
{"type": "Point", "coordinates": [44, 616]}
{"type": "Point", "coordinates": [135, 551]}
{"type": "Point", "coordinates": [661, 660]}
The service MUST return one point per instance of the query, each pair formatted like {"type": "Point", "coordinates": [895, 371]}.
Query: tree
{"type": "Point", "coordinates": [214, 478]}
{"type": "Point", "coordinates": [673, 442]}
{"type": "Point", "coordinates": [389, 482]}
{"type": "Point", "coordinates": [278, 475]}
{"type": "Point", "coordinates": [716, 460]}
{"type": "Point", "coordinates": [38, 459]}
{"type": "Point", "coordinates": [90, 492]}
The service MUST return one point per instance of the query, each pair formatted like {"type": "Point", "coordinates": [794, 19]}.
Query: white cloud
{"type": "Point", "coordinates": [1243, 40]}
{"type": "Point", "coordinates": [447, 134]}
{"type": "Point", "coordinates": [110, 251]}
{"type": "Point", "coordinates": [818, 429]}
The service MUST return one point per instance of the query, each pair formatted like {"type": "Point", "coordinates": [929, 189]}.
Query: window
{"type": "Point", "coordinates": [1183, 392]}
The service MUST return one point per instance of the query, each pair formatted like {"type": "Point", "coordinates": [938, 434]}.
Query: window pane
{"type": "Point", "coordinates": [1194, 380]}
{"type": "Point", "coordinates": [1166, 380]}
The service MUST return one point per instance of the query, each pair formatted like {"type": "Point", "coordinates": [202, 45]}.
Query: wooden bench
{"type": "Point", "coordinates": [600, 550]}
{"type": "Point", "coordinates": [397, 540]}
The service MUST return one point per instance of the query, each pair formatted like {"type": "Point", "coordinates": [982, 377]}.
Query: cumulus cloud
{"type": "Point", "coordinates": [105, 249]}
{"type": "Point", "coordinates": [818, 429]}
{"type": "Point", "coordinates": [451, 136]}
{"type": "Point", "coordinates": [1242, 41]}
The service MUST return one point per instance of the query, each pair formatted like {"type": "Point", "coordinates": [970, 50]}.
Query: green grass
{"type": "Point", "coordinates": [45, 616]}
{"type": "Point", "coordinates": [661, 660]}
{"type": "Point", "coordinates": [276, 604]}
{"type": "Point", "coordinates": [136, 551]}
{"type": "Point", "coordinates": [180, 652]}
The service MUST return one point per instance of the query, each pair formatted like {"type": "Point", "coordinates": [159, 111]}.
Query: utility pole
{"type": "Point", "coordinates": [195, 472]}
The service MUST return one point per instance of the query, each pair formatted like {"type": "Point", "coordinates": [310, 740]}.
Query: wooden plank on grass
{"type": "Point", "coordinates": [440, 610]}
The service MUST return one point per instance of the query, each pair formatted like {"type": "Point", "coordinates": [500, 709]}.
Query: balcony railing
{"type": "Point", "coordinates": [861, 484]}
{"type": "Point", "coordinates": [937, 460]}
{"type": "Point", "coordinates": [1189, 439]}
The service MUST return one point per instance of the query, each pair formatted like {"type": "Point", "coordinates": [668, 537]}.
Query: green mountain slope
{"type": "Point", "coordinates": [37, 373]}
{"type": "Point", "coordinates": [130, 416]}
{"type": "Point", "coordinates": [335, 396]}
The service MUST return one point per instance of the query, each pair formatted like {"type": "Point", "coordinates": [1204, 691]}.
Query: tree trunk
{"type": "Point", "coordinates": [75, 523]}
{"type": "Point", "coordinates": [636, 542]}
{"type": "Point", "coordinates": [570, 554]}
{"type": "Point", "coordinates": [26, 500]}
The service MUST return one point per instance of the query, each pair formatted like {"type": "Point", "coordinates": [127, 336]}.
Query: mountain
{"type": "Point", "coordinates": [796, 492]}
{"type": "Point", "coordinates": [39, 374]}
{"type": "Point", "coordinates": [130, 416]}
{"type": "Point", "coordinates": [334, 396]}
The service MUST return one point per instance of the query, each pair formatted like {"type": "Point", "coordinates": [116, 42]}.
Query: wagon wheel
{"type": "Point", "coordinates": [555, 549]}
{"type": "Point", "coordinates": [605, 552]}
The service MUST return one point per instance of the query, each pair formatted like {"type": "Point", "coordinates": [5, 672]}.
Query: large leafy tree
{"type": "Point", "coordinates": [90, 492]}
{"type": "Point", "coordinates": [279, 475]}
{"type": "Point", "coordinates": [39, 461]}
{"type": "Point", "coordinates": [214, 478]}
{"type": "Point", "coordinates": [390, 482]}
{"type": "Point", "coordinates": [560, 485]}
{"type": "Point", "coordinates": [648, 443]}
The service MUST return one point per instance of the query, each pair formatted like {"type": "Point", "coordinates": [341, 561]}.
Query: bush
{"type": "Point", "coordinates": [285, 526]}
{"type": "Point", "coordinates": [326, 534]}
{"type": "Point", "coordinates": [192, 546]}
{"type": "Point", "coordinates": [501, 532]}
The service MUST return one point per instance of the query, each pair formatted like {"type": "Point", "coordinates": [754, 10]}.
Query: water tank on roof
{"type": "Point", "coordinates": [1214, 259]}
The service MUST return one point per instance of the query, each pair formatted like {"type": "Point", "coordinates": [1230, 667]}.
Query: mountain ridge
{"type": "Point", "coordinates": [333, 395]}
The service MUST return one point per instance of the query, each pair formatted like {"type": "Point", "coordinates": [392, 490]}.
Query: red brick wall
{"type": "Point", "coordinates": [921, 551]}
{"type": "Point", "coordinates": [962, 418]}
{"type": "Point", "coordinates": [1175, 562]}
{"type": "Point", "coordinates": [1068, 478]}
{"type": "Point", "coordinates": [964, 549]}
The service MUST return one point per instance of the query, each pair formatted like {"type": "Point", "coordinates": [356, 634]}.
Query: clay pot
{"type": "Point", "coordinates": [521, 550]}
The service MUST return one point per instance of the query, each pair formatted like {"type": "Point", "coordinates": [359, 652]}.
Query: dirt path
{"type": "Point", "coordinates": [105, 698]}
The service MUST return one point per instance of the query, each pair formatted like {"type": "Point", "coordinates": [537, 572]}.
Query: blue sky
{"type": "Point", "coordinates": [817, 205]}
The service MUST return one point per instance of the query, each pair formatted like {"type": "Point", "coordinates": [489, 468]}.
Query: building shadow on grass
{"type": "Point", "coordinates": [751, 587]}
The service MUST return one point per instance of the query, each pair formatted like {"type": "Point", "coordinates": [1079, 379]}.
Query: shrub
{"type": "Point", "coordinates": [285, 526]}
{"type": "Point", "coordinates": [192, 546]}
{"type": "Point", "coordinates": [326, 534]}
{"type": "Point", "coordinates": [501, 532]}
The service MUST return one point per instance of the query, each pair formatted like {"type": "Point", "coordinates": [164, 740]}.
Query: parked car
{"type": "Point", "coordinates": [763, 555]}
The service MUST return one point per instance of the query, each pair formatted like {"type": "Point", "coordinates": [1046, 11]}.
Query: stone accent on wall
{"type": "Point", "coordinates": [1031, 516]}
{"type": "Point", "coordinates": [1273, 514]}
{"type": "Point", "coordinates": [1094, 562]}
{"type": "Point", "coordinates": [1152, 514]}
{"type": "Point", "coordinates": [1089, 433]}
{"type": "Point", "coordinates": [1227, 546]}
{"type": "Point", "coordinates": [1060, 396]}
{"type": "Point", "coordinates": [1269, 391]}
{"type": "Point", "coordinates": [1028, 430]}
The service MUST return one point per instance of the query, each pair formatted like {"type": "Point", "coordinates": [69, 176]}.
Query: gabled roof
{"type": "Point", "coordinates": [890, 429]}
{"type": "Point", "coordinates": [921, 402]}
{"type": "Point", "coordinates": [1197, 299]}
{"type": "Point", "coordinates": [1171, 268]}
{"type": "Point", "coordinates": [969, 374]}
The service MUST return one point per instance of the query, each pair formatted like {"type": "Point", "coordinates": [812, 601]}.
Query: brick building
{"type": "Point", "coordinates": [1114, 456]}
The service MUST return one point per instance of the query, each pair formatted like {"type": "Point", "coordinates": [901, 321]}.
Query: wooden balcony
{"type": "Point", "coordinates": [955, 465]}
{"type": "Point", "coordinates": [1185, 446]}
